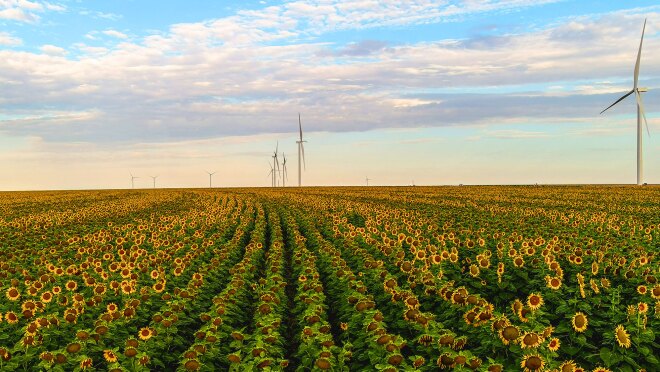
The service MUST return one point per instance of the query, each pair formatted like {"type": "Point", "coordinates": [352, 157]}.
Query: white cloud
{"type": "Point", "coordinates": [8, 40]}
{"type": "Point", "coordinates": [53, 50]}
{"type": "Point", "coordinates": [115, 33]}
{"type": "Point", "coordinates": [222, 78]}
{"type": "Point", "coordinates": [25, 10]}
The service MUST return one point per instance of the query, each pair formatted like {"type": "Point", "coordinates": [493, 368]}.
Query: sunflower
{"type": "Point", "coordinates": [112, 307]}
{"type": "Point", "coordinates": [579, 322]}
{"type": "Point", "coordinates": [46, 297]}
{"type": "Point", "coordinates": [530, 340]}
{"type": "Point", "coordinates": [534, 301]}
{"type": "Point", "coordinates": [109, 356]}
{"type": "Point", "coordinates": [13, 294]}
{"type": "Point", "coordinates": [86, 363]}
{"type": "Point", "coordinates": [622, 336]}
{"type": "Point", "coordinates": [519, 261]}
{"type": "Point", "coordinates": [568, 366]}
{"type": "Point", "coordinates": [71, 285]}
{"type": "Point", "coordinates": [532, 362]}
{"type": "Point", "coordinates": [343, 326]}
{"type": "Point", "coordinates": [553, 282]}
{"type": "Point", "coordinates": [594, 286]}
{"type": "Point", "coordinates": [73, 348]}
{"type": "Point", "coordinates": [145, 333]}
{"type": "Point", "coordinates": [601, 369]}
{"type": "Point", "coordinates": [11, 317]}
{"type": "Point", "coordinates": [554, 344]}
{"type": "Point", "coordinates": [509, 334]}
{"type": "Point", "coordinates": [642, 289]}
{"type": "Point", "coordinates": [604, 282]}
{"type": "Point", "coordinates": [517, 306]}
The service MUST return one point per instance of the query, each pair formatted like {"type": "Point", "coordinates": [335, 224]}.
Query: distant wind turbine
{"type": "Point", "coordinates": [271, 174]}
{"type": "Point", "coordinates": [154, 179]}
{"type": "Point", "coordinates": [284, 174]}
{"type": "Point", "coordinates": [276, 165]}
{"type": "Point", "coordinates": [640, 108]}
{"type": "Point", "coordinates": [132, 180]}
{"type": "Point", "coordinates": [210, 178]}
{"type": "Point", "coordinates": [301, 152]}
{"type": "Point", "coordinates": [368, 179]}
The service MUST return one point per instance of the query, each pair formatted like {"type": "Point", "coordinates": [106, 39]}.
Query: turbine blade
{"type": "Point", "coordinates": [300, 126]}
{"type": "Point", "coordinates": [640, 103]}
{"type": "Point", "coordinates": [619, 100]}
{"type": "Point", "coordinates": [639, 55]}
{"type": "Point", "coordinates": [302, 147]}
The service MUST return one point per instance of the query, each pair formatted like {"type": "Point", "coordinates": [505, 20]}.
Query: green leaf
{"type": "Point", "coordinates": [606, 356]}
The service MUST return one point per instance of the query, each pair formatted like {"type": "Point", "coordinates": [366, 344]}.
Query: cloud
{"type": "Point", "coordinates": [25, 10]}
{"type": "Point", "coordinates": [53, 50]}
{"type": "Point", "coordinates": [115, 33]}
{"type": "Point", "coordinates": [225, 78]}
{"type": "Point", "coordinates": [8, 40]}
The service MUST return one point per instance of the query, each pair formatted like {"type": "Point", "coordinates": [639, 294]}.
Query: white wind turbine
{"type": "Point", "coordinates": [210, 178]}
{"type": "Point", "coordinates": [276, 165]}
{"type": "Point", "coordinates": [271, 175]}
{"type": "Point", "coordinates": [640, 108]}
{"type": "Point", "coordinates": [284, 174]}
{"type": "Point", "coordinates": [132, 180]}
{"type": "Point", "coordinates": [154, 179]}
{"type": "Point", "coordinates": [301, 152]}
{"type": "Point", "coordinates": [368, 179]}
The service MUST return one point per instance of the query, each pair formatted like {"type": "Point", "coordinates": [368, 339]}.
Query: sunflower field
{"type": "Point", "coordinates": [338, 279]}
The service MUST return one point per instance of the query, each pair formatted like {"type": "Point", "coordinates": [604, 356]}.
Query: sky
{"type": "Point", "coordinates": [402, 92]}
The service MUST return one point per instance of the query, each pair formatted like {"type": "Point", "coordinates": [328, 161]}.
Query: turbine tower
{"type": "Point", "coordinates": [154, 179]}
{"type": "Point", "coordinates": [276, 165]}
{"type": "Point", "coordinates": [132, 180]}
{"type": "Point", "coordinates": [210, 178]}
{"type": "Point", "coordinates": [640, 109]}
{"type": "Point", "coordinates": [368, 179]}
{"type": "Point", "coordinates": [301, 152]}
{"type": "Point", "coordinates": [284, 174]}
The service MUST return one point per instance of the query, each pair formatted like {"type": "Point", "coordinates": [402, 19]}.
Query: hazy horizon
{"type": "Point", "coordinates": [439, 93]}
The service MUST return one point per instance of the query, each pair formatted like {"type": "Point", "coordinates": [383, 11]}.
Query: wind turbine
{"type": "Point", "coordinates": [368, 179]}
{"type": "Point", "coordinates": [154, 179]}
{"type": "Point", "coordinates": [284, 174]}
{"type": "Point", "coordinates": [640, 108]}
{"type": "Point", "coordinates": [301, 150]}
{"type": "Point", "coordinates": [271, 175]}
{"type": "Point", "coordinates": [132, 180]}
{"type": "Point", "coordinates": [210, 178]}
{"type": "Point", "coordinates": [276, 165]}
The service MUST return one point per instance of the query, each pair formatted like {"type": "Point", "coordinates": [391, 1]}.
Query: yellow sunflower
{"type": "Point", "coordinates": [534, 301]}
{"type": "Point", "coordinates": [509, 334]}
{"type": "Point", "coordinates": [13, 294]}
{"type": "Point", "coordinates": [568, 366]}
{"type": "Point", "coordinates": [622, 336]}
{"type": "Point", "coordinates": [553, 282]}
{"type": "Point", "coordinates": [554, 344]}
{"type": "Point", "coordinates": [532, 362]}
{"type": "Point", "coordinates": [530, 340]}
{"type": "Point", "coordinates": [110, 356]}
{"type": "Point", "coordinates": [145, 333]}
{"type": "Point", "coordinates": [642, 307]}
{"type": "Point", "coordinates": [579, 322]}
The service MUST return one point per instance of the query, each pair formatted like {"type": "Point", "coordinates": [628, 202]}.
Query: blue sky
{"type": "Point", "coordinates": [440, 92]}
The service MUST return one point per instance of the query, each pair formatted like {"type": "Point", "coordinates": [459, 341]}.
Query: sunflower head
{"type": "Point", "coordinates": [579, 322]}
{"type": "Point", "coordinates": [554, 344]}
{"type": "Point", "coordinates": [622, 337]}
{"type": "Point", "coordinates": [532, 362]}
{"type": "Point", "coordinates": [534, 301]}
